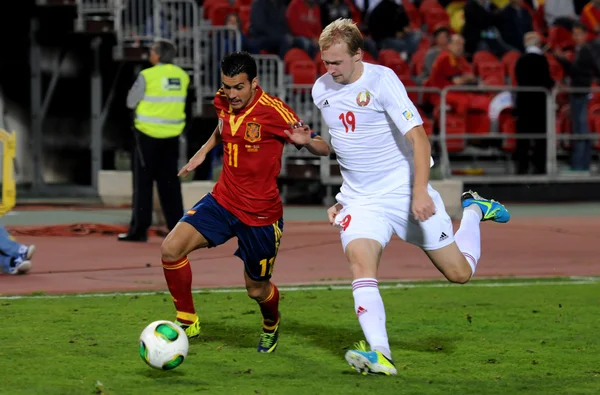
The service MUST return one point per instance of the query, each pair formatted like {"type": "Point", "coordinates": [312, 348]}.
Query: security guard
{"type": "Point", "coordinates": [159, 100]}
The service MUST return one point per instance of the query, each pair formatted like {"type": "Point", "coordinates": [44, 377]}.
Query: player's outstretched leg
{"type": "Point", "coordinates": [266, 295]}
{"type": "Point", "coordinates": [178, 274]}
{"type": "Point", "coordinates": [476, 210]}
{"type": "Point", "coordinates": [363, 255]}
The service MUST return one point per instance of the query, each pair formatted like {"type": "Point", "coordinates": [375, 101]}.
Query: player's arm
{"type": "Point", "coordinates": [317, 145]}
{"type": "Point", "coordinates": [200, 155]}
{"type": "Point", "coordinates": [136, 93]}
{"type": "Point", "coordinates": [301, 136]}
{"type": "Point", "coordinates": [407, 119]}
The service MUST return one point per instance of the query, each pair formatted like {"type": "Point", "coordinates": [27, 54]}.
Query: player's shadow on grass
{"type": "Point", "coordinates": [340, 339]}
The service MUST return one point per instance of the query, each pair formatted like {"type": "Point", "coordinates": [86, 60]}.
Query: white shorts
{"type": "Point", "coordinates": [379, 218]}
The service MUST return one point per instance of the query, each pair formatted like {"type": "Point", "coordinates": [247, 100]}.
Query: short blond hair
{"type": "Point", "coordinates": [342, 30]}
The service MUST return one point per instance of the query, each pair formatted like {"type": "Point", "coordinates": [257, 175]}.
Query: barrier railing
{"type": "Point", "coordinates": [550, 136]}
{"type": "Point", "coordinates": [214, 43]}
{"type": "Point", "coordinates": [134, 22]}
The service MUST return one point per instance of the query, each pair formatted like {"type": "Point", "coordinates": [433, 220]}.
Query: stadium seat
{"type": "Point", "coordinates": [367, 57]}
{"type": "Point", "coordinates": [244, 14]}
{"type": "Point", "coordinates": [219, 12]}
{"type": "Point", "coordinates": [491, 70]}
{"type": "Point", "coordinates": [417, 61]}
{"type": "Point", "coordinates": [482, 56]}
{"type": "Point", "coordinates": [409, 83]}
{"type": "Point", "coordinates": [295, 55]}
{"type": "Point", "coordinates": [455, 124]}
{"type": "Point", "coordinates": [413, 14]}
{"type": "Point", "coordinates": [508, 126]}
{"type": "Point", "coordinates": [509, 60]}
{"type": "Point", "coordinates": [435, 16]}
{"type": "Point", "coordinates": [303, 72]}
{"type": "Point", "coordinates": [400, 67]}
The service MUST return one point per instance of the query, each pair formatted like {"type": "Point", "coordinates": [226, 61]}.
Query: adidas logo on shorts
{"type": "Point", "coordinates": [444, 236]}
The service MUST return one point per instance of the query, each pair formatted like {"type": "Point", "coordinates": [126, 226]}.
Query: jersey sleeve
{"type": "Point", "coordinates": [396, 103]}
{"type": "Point", "coordinates": [281, 116]}
{"type": "Point", "coordinates": [219, 102]}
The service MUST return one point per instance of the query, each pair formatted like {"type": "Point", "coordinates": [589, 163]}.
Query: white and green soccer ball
{"type": "Point", "coordinates": [163, 345]}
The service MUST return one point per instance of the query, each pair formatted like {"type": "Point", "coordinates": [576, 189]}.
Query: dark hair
{"type": "Point", "coordinates": [165, 50]}
{"type": "Point", "coordinates": [580, 26]}
{"type": "Point", "coordinates": [236, 63]}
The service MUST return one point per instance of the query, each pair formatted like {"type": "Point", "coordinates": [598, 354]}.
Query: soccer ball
{"type": "Point", "coordinates": [163, 345]}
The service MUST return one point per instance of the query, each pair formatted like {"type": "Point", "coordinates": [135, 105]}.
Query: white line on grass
{"type": "Point", "coordinates": [573, 281]}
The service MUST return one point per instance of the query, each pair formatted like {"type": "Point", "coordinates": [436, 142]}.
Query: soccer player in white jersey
{"type": "Point", "coordinates": [385, 157]}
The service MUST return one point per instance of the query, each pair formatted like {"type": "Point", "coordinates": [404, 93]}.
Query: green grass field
{"type": "Point", "coordinates": [495, 339]}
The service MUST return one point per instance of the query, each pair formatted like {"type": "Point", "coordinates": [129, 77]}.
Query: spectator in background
{"type": "Point", "coordinates": [269, 29]}
{"type": "Point", "coordinates": [304, 20]}
{"type": "Point", "coordinates": [581, 72]}
{"type": "Point", "coordinates": [515, 21]}
{"type": "Point", "coordinates": [390, 27]}
{"type": "Point", "coordinates": [590, 17]}
{"type": "Point", "coordinates": [532, 70]}
{"type": "Point", "coordinates": [234, 21]}
{"type": "Point", "coordinates": [560, 13]}
{"type": "Point", "coordinates": [441, 37]}
{"type": "Point", "coordinates": [335, 9]}
{"type": "Point", "coordinates": [480, 31]}
{"type": "Point", "coordinates": [452, 68]}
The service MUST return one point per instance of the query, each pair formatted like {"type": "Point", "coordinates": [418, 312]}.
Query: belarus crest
{"type": "Point", "coordinates": [363, 98]}
{"type": "Point", "coordinates": [252, 132]}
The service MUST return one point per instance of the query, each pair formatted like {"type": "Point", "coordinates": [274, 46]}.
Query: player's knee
{"type": "Point", "coordinates": [459, 275]}
{"type": "Point", "coordinates": [171, 251]}
{"type": "Point", "coordinates": [258, 290]}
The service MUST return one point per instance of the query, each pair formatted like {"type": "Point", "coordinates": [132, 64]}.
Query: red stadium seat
{"type": "Point", "coordinates": [219, 12]}
{"type": "Point", "coordinates": [510, 61]}
{"type": "Point", "coordinates": [295, 55]}
{"type": "Point", "coordinates": [303, 72]}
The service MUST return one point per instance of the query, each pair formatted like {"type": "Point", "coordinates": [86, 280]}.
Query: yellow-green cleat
{"type": "Point", "coordinates": [192, 330]}
{"type": "Point", "coordinates": [268, 341]}
{"type": "Point", "coordinates": [491, 209]}
{"type": "Point", "coordinates": [370, 362]}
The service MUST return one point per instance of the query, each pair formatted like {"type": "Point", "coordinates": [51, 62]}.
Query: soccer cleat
{"type": "Point", "coordinates": [268, 341]}
{"type": "Point", "coordinates": [22, 263]}
{"type": "Point", "coordinates": [370, 362]}
{"type": "Point", "coordinates": [491, 209]}
{"type": "Point", "coordinates": [192, 330]}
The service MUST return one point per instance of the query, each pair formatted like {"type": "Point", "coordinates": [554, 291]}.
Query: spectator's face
{"type": "Point", "coordinates": [339, 63]}
{"type": "Point", "coordinates": [441, 39]}
{"type": "Point", "coordinates": [579, 36]}
{"type": "Point", "coordinates": [231, 21]}
{"type": "Point", "coordinates": [239, 90]}
{"type": "Point", "coordinates": [457, 45]}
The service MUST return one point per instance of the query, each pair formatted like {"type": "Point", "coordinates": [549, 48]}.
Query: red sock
{"type": "Point", "coordinates": [179, 280]}
{"type": "Point", "coordinates": [270, 310]}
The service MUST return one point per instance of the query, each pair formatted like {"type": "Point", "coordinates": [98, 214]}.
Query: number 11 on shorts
{"type": "Point", "coordinates": [266, 266]}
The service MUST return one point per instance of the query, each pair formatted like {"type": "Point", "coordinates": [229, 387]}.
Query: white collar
{"type": "Point", "coordinates": [534, 49]}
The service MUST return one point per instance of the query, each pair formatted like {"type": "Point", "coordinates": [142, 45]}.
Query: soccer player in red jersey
{"type": "Point", "coordinates": [253, 128]}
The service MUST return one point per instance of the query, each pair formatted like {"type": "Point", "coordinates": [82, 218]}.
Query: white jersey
{"type": "Point", "coordinates": [367, 122]}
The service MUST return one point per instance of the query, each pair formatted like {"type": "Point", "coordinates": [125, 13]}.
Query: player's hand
{"type": "Point", "coordinates": [422, 205]}
{"type": "Point", "coordinates": [333, 211]}
{"type": "Point", "coordinates": [300, 133]}
{"type": "Point", "coordinates": [196, 161]}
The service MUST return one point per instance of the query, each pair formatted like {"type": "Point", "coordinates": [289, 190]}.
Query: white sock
{"type": "Point", "coordinates": [468, 236]}
{"type": "Point", "coordinates": [370, 311]}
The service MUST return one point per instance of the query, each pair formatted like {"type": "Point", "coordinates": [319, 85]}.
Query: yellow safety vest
{"type": "Point", "coordinates": [161, 112]}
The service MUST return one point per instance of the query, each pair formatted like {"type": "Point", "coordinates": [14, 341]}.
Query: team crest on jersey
{"type": "Point", "coordinates": [363, 98]}
{"type": "Point", "coordinates": [252, 132]}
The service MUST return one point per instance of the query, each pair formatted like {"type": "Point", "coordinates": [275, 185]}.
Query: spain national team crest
{"type": "Point", "coordinates": [363, 98]}
{"type": "Point", "coordinates": [252, 132]}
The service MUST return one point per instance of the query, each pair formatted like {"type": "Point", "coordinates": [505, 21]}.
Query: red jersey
{"type": "Point", "coordinates": [253, 141]}
{"type": "Point", "coordinates": [446, 67]}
